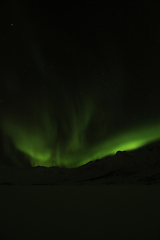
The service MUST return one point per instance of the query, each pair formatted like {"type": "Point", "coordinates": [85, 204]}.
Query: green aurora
{"type": "Point", "coordinates": [65, 104]}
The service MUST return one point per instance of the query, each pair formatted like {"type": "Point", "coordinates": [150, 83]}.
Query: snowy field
{"type": "Point", "coordinates": [114, 198]}
{"type": "Point", "coordinates": [80, 212]}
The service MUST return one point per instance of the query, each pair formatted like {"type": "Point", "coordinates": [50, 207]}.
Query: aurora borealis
{"type": "Point", "coordinates": [78, 83]}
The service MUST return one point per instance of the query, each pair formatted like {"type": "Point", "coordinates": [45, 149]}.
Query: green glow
{"type": "Point", "coordinates": [41, 142]}
{"type": "Point", "coordinates": [57, 132]}
{"type": "Point", "coordinates": [44, 143]}
{"type": "Point", "coordinates": [129, 139]}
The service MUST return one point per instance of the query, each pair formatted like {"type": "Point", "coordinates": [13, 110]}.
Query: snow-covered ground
{"type": "Point", "coordinates": [58, 203]}
{"type": "Point", "coordinates": [80, 212]}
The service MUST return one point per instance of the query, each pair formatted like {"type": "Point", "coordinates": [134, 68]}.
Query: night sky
{"type": "Point", "coordinates": [78, 80]}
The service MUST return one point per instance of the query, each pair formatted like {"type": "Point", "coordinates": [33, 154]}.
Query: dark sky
{"type": "Point", "coordinates": [74, 75]}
